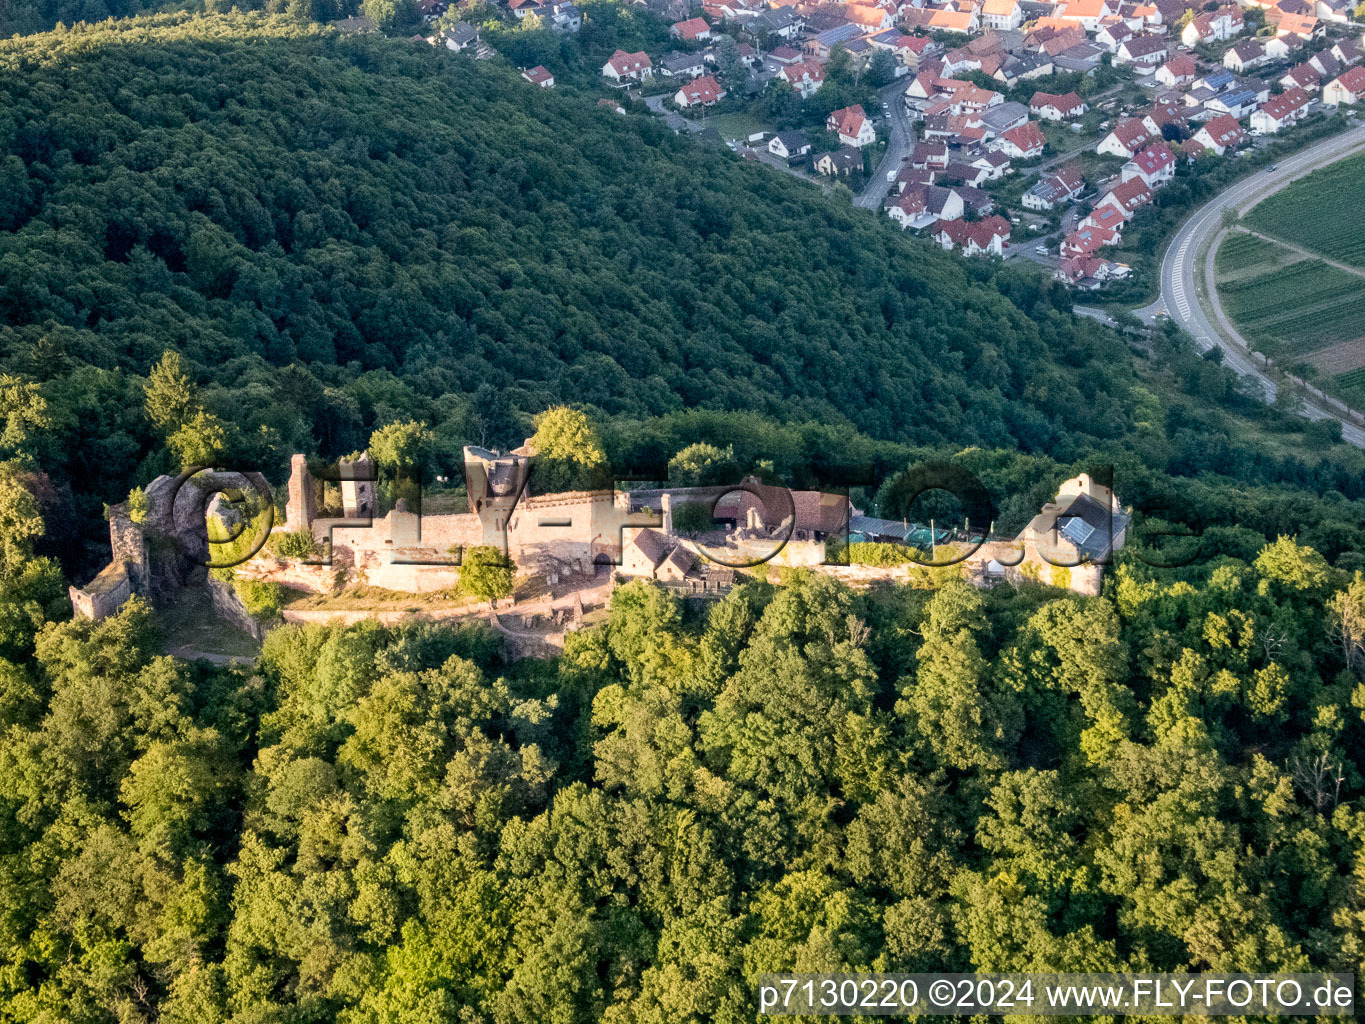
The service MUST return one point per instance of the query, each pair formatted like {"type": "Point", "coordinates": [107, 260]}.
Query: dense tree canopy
{"type": "Point", "coordinates": [389, 824]}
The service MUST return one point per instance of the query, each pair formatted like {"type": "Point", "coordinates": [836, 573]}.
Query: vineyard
{"type": "Point", "coordinates": [1298, 214]}
{"type": "Point", "coordinates": [1243, 255]}
{"type": "Point", "coordinates": [1292, 310]}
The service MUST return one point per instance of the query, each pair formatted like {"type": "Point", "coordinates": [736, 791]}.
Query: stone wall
{"type": "Point", "coordinates": [227, 605]}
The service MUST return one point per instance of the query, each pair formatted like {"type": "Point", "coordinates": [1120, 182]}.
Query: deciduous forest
{"type": "Point", "coordinates": [231, 238]}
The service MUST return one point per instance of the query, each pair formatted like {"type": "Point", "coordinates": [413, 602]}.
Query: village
{"type": "Point", "coordinates": [343, 553]}
{"type": "Point", "coordinates": [1012, 128]}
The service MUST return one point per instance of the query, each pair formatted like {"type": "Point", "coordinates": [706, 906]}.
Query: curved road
{"type": "Point", "coordinates": [1181, 265]}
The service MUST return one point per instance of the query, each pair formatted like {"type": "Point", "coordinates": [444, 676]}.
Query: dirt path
{"type": "Point", "coordinates": [1305, 253]}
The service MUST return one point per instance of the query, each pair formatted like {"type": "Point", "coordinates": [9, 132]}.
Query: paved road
{"type": "Point", "coordinates": [1181, 266]}
{"type": "Point", "coordinates": [1094, 313]}
{"type": "Point", "coordinates": [672, 118]}
{"type": "Point", "coordinates": [898, 146]}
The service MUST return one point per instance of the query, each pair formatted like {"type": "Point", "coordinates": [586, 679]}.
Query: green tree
{"type": "Point", "coordinates": [703, 463]}
{"type": "Point", "coordinates": [21, 523]}
{"type": "Point", "coordinates": [691, 518]}
{"type": "Point", "coordinates": [171, 397]}
{"type": "Point", "coordinates": [25, 415]}
{"type": "Point", "coordinates": [487, 574]}
{"type": "Point", "coordinates": [569, 451]}
{"type": "Point", "coordinates": [401, 445]}
{"type": "Point", "coordinates": [199, 441]}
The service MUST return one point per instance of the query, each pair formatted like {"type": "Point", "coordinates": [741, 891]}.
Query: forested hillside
{"type": "Point", "coordinates": [388, 825]}
{"type": "Point", "coordinates": [407, 228]}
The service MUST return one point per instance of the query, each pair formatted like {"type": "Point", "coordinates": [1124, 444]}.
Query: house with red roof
{"type": "Point", "coordinates": [974, 237]}
{"type": "Point", "coordinates": [805, 76]}
{"type": "Point", "coordinates": [625, 67]}
{"type": "Point", "coordinates": [693, 30]}
{"type": "Point", "coordinates": [921, 206]}
{"type": "Point", "coordinates": [1220, 134]}
{"type": "Point", "coordinates": [701, 92]}
{"type": "Point", "coordinates": [1090, 271]}
{"type": "Point", "coordinates": [1302, 76]}
{"type": "Point", "coordinates": [1179, 70]}
{"type": "Point", "coordinates": [1282, 111]}
{"type": "Point", "coordinates": [1126, 197]}
{"type": "Point", "coordinates": [1155, 165]}
{"type": "Point", "coordinates": [1022, 143]}
{"type": "Point", "coordinates": [1089, 238]}
{"type": "Point", "coordinates": [1126, 138]}
{"type": "Point", "coordinates": [1347, 89]}
{"type": "Point", "coordinates": [1052, 107]}
{"type": "Point", "coordinates": [539, 76]}
{"type": "Point", "coordinates": [1053, 190]}
{"type": "Point", "coordinates": [852, 126]}
{"type": "Point", "coordinates": [1213, 26]}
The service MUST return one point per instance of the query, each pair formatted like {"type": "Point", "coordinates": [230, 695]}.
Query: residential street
{"type": "Point", "coordinates": [898, 146]}
{"type": "Point", "coordinates": [1182, 265]}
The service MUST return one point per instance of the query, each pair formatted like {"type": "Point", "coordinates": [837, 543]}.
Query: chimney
{"type": "Point", "coordinates": [666, 507]}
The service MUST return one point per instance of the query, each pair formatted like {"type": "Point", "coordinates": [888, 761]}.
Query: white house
{"type": "Point", "coordinates": [986, 236]}
{"type": "Point", "coordinates": [1054, 190]}
{"type": "Point", "coordinates": [1142, 53]}
{"type": "Point", "coordinates": [1220, 134]}
{"type": "Point", "coordinates": [1051, 107]}
{"type": "Point", "coordinates": [1155, 165]}
{"type": "Point", "coordinates": [1247, 54]}
{"type": "Point", "coordinates": [1280, 111]}
{"type": "Point", "coordinates": [789, 145]}
{"type": "Point", "coordinates": [628, 67]}
{"type": "Point", "coordinates": [805, 77]}
{"type": "Point", "coordinates": [1022, 143]}
{"type": "Point", "coordinates": [1179, 70]}
{"type": "Point", "coordinates": [1006, 15]}
{"type": "Point", "coordinates": [1126, 138]}
{"type": "Point", "coordinates": [539, 76]}
{"type": "Point", "coordinates": [701, 92]}
{"type": "Point", "coordinates": [852, 126]}
{"type": "Point", "coordinates": [1347, 89]}
{"type": "Point", "coordinates": [920, 206]}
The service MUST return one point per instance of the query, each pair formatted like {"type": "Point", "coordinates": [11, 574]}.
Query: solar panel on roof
{"type": "Point", "coordinates": [1077, 530]}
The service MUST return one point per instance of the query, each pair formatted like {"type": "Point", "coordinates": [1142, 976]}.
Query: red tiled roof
{"type": "Point", "coordinates": [691, 28]}
{"type": "Point", "coordinates": [1027, 137]}
{"type": "Point", "coordinates": [1224, 130]}
{"type": "Point", "coordinates": [847, 121]}
{"type": "Point", "coordinates": [1281, 106]}
{"type": "Point", "coordinates": [1154, 158]}
{"type": "Point", "coordinates": [1130, 133]}
{"type": "Point", "coordinates": [1353, 80]}
{"type": "Point", "coordinates": [960, 232]}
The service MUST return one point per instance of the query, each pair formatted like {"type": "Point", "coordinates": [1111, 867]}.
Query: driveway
{"type": "Point", "coordinates": [671, 118]}
{"type": "Point", "coordinates": [1183, 270]}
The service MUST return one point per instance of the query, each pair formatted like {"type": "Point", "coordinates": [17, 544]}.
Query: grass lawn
{"type": "Point", "coordinates": [1323, 212]}
{"type": "Point", "coordinates": [735, 126]}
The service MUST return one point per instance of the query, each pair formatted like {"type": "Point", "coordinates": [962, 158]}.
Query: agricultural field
{"type": "Point", "coordinates": [1332, 227]}
{"type": "Point", "coordinates": [1288, 310]}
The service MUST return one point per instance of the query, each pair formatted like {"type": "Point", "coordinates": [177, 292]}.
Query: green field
{"type": "Point", "coordinates": [1323, 212]}
{"type": "Point", "coordinates": [1241, 252]}
{"type": "Point", "coordinates": [1352, 385]}
{"type": "Point", "coordinates": [1291, 310]}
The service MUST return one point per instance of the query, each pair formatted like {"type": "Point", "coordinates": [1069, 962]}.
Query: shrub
{"type": "Point", "coordinates": [262, 599]}
{"type": "Point", "coordinates": [294, 544]}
